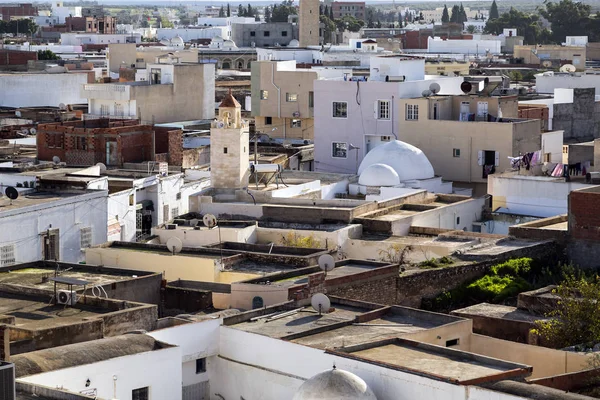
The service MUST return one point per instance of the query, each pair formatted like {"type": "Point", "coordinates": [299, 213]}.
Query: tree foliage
{"type": "Point", "coordinates": [18, 26]}
{"type": "Point", "coordinates": [328, 27]}
{"type": "Point", "coordinates": [292, 239]}
{"type": "Point", "coordinates": [47, 55]}
{"type": "Point", "coordinates": [576, 318]}
{"type": "Point", "coordinates": [494, 14]}
{"type": "Point", "coordinates": [221, 12]}
{"type": "Point", "coordinates": [267, 14]}
{"type": "Point", "coordinates": [228, 10]}
{"type": "Point", "coordinates": [445, 15]}
{"type": "Point", "coordinates": [282, 11]}
{"type": "Point", "coordinates": [527, 25]}
{"type": "Point", "coordinates": [567, 18]}
{"type": "Point", "coordinates": [348, 22]}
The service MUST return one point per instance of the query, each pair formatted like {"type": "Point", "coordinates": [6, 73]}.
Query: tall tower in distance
{"type": "Point", "coordinates": [309, 23]}
{"type": "Point", "coordinates": [229, 147]}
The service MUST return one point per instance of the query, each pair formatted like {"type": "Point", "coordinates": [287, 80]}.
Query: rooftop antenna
{"type": "Point", "coordinates": [11, 193]}
{"type": "Point", "coordinates": [174, 245]}
{"type": "Point", "coordinates": [320, 303]}
{"type": "Point", "coordinates": [326, 263]}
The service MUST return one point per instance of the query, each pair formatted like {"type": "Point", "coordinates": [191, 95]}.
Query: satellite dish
{"type": "Point", "coordinates": [426, 93]}
{"type": "Point", "coordinates": [320, 303]}
{"type": "Point", "coordinates": [568, 68]}
{"type": "Point", "coordinates": [56, 159]}
{"type": "Point", "coordinates": [209, 220]}
{"type": "Point", "coordinates": [62, 106]}
{"type": "Point", "coordinates": [11, 193]}
{"type": "Point", "coordinates": [435, 88]}
{"type": "Point", "coordinates": [174, 245]}
{"type": "Point", "coordinates": [18, 114]}
{"type": "Point", "coordinates": [326, 262]}
{"type": "Point", "coordinates": [102, 167]}
{"type": "Point", "coordinates": [466, 87]}
{"type": "Point", "coordinates": [32, 131]}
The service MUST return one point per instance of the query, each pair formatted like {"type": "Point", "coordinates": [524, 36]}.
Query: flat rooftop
{"type": "Point", "coordinates": [350, 267]}
{"type": "Point", "coordinates": [38, 313]}
{"type": "Point", "coordinates": [497, 311]}
{"type": "Point", "coordinates": [38, 198]}
{"type": "Point", "coordinates": [439, 362]}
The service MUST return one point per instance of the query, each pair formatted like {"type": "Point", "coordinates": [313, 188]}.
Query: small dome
{"type": "Point", "coordinates": [334, 384]}
{"type": "Point", "coordinates": [379, 175]}
{"type": "Point", "coordinates": [177, 41]}
{"type": "Point", "coordinates": [294, 43]}
{"type": "Point", "coordinates": [217, 39]}
{"type": "Point", "coordinates": [408, 161]}
{"type": "Point", "coordinates": [229, 44]}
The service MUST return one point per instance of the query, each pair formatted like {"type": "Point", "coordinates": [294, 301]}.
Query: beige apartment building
{"type": "Point", "coordinates": [466, 138]}
{"type": "Point", "coordinates": [446, 67]}
{"type": "Point", "coordinates": [128, 55]}
{"type": "Point", "coordinates": [282, 99]}
{"type": "Point", "coordinates": [550, 56]}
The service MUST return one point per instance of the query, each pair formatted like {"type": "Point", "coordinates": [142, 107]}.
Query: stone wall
{"type": "Point", "coordinates": [580, 119]}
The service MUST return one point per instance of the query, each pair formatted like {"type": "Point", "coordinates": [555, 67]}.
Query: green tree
{"type": "Point", "coordinates": [241, 11]}
{"type": "Point", "coordinates": [576, 317]}
{"type": "Point", "coordinates": [494, 14]}
{"type": "Point", "coordinates": [228, 10]}
{"type": "Point", "coordinates": [527, 25]}
{"type": "Point", "coordinates": [47, 55]}
{"type": "Point", "coordinates": [471, 29]}
{"type": "Point", "coordinates": [463, 14]}
{"type": "Point", "coordinates": [331, 13]}
{"type": "Point", "coordinates": [221, 12]}
{"type": "Point", "coordinates": [567, 18]}
{"type": "Point", "coordinates": [328, 28]}
{"type": "Point", "coordinates": [280, 13]}
{"type": "Point", "coordinates": [445, 15]}
{"type": "Point", "coordinates": [455, 15]}
{"type": "Point", "coordinates": [249, 11]}
{"type": "Point", "coordinates": [267, 14]}
{"type": "Point", "coordinates": [348, 22]}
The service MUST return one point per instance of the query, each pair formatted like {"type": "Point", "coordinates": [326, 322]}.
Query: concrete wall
{"type": "Point", "coordinates": [121, 54]}
{"type": "Point", "coordinates": [578, 119]}
{"type": "Point", "coordinates": [241, 34]}
{"type": "Point", "coordinates": [204, 236]}
{"type": "Point", "coordinates": [531, 195]}
{"type": "Point", "coordinates": [28, 90]}
{"type": "Point", "coordinates": [536, 54]}
{"type": "Point", "coordinates": [131, 373]}
{"type": "Point", "coordinates": [547, 83]}
{"type": "Point", "coordinates": [328, 239]}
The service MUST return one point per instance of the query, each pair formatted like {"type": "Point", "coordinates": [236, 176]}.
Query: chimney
{"type": "Point", "coordinates": [4, 343]}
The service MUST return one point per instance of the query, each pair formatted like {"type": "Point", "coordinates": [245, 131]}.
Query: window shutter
{"type": "Point", "coordinates": [480, 157]}
{"type": "Point", "coordinates": [497, 161]}
{"type": "Point", "coordinates": [375, 106]}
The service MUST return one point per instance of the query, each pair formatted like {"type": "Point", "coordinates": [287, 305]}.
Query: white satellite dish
{"type": "Point", "coordinates": [62, 106]}
{"type": "Point", "coordinates": [18, 114]}
{"type": "Point", "coordinates": [426, 93]}
{"type": "Point", "coordinates": [209, 220]}
{"type": "Point", "coordinates": [32, 131]}
{"type": "Point", "coordinates": [320, 303]}
{"type": "Point", "coordinates": [326, 262]}
{"type": "Point", "coordinates": [435, 88]}
{"type": "Point", "coordinates": [174, 245]}
{"type": "Point", "coordinates": [568, 68]}
{"type": "Point", "coordinates": [24, 131]}
{"type": "Point", "coordinates": [102, 167]}
{"type": "Point", "coordinates": [56, 160]}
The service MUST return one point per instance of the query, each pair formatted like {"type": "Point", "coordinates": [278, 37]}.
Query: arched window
{"type": "Point", "coordinates": [257, 302]}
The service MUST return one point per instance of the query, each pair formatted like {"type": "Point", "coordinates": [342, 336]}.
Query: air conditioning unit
{"type": "Point", "coordinates": [296, 114]}
{"type": "Point", "coordinates": [7, 381]}
{"type": "Point", "coordinates": [66, 297]}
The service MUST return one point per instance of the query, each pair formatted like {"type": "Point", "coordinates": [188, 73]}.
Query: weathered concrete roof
{"type": "Point", "coordinates": [83, 353]}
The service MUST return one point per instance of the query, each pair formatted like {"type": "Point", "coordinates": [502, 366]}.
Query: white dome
{"type": "Point", "coordinates": [334, 384]}
{"type": "Point", "coordinates": [379, 175]}
{"type": "Point", "coordinates": [229, 44]}
{"type": "Point", "coordinates": [294, 43]}
{"type": "Point", "coordinates": [408, 161]}
{"type": "Point", "coordinates": [177, 41]}
{"type": "Point", "coordinates": [217, 39]}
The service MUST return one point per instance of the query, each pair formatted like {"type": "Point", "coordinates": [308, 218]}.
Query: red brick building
{"type": "Point", "coordinates": [12, 11]}
{"type": "Point", "coordinates": [12, 59]}
{"type": "Point", "coordinates": [85, 143]}
{"type": "Point", "coordinates": [355, 9]}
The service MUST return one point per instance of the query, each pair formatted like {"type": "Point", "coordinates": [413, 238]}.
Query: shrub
{"type": "Point", "coordinates": [292, 239]}
{"type": "Point", "coordinates": [517, 267]}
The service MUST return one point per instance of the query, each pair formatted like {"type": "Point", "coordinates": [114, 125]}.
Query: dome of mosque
{"type": "Point", "coordinates": [379, 175]}
{"type": "Point", "coordinates": [406, 160]}
{"type": "Point", "coordinates": [334, 384]}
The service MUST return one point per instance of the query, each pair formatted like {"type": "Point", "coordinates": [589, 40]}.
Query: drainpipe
{"type": "Point", "coordinates": [278, 95]}
{"type": "Point", "coordinates": [392, 111]}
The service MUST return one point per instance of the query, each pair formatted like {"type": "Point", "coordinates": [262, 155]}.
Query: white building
{"type": "Point", "coordinates": [351, 118]}
{"type": "Point", "coordinates": [479, 47]}
{"type": "Point", "coordinates": [399, 68]}
{"type": "Point", "coordinates": [547, 82]}
{"type": "Point", "coordinates": [82, 38]}
{"type": "Point", "coordinates": [576, 41]}
{"type": "Point", "coordinates": [49, 225]}
{"type": "Point", "coordinates": [189, 34]}
{"type": "Point", "coordinates": [61, 12]}
{"type": "Point", "coordinates": [477, 24]}
{"type": "Point", "coordinates": [42, 89]}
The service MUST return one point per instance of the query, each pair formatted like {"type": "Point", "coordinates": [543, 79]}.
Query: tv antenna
{"type": "Point", "coordinates": [11, 193]}
{"type": "Point", "coordinates": [320, 303]}
{"type": "Point", "coordinates": [326, 263]}
{"type": "Point", "coordinates": [435, 88]}
{"type": "Point", "coordinates": [174, 245]}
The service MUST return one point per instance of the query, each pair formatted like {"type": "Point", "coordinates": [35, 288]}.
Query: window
{"type": "Point", "coordinates": [268, 120]}
{"type": "Point", "coordinates": [175, 212]}
{"type": "Point", "coordinates": [178, 196]}
{"type": "Point", "coordinates": [104, 109]}
{"type": "Point", "coordinates": [131, 200]}
{"type": "Point", "coordinates": [7, 255]}
{"type": "Point", "coordinates": [224, 150]}
{"type": "Point", "coordinates": [456, 153]}
{"type": "Point", "coordinates": [452, 342]}
{"type": "Point", "coordinates": [412, 112]}
{"type": "Point", "coordinates": [383, 109]}
{"type": "Point", "coordinates": [81, 143]}
{"type": "Point", "coordinates": [264, 94]}
{"type": "Point", "coordinates": [86, 237]}
{"type": "Point", "coordinates": [252, 33]}
{"type": "Point", "coordinates": [165, 212]}
{"type": "Point", "coordinates": [266, 33]}
{"type": "Point", "coordinates": [340, 109]}
{"type": "Point", "coordinates": [119, 109]}
{"type": "Point", "coordinates": [547, 157]}
{"type": "Point", "coordinates": [200, 365]}
{"type": "Point", "coordinates": [51, 244]}
{"type": "Point", "coordinates": [155, 76]}
{"type": "Point", "coordinates": [339, 150]}
{"type": "Point", "coordinates": [140, 394]}
{"type": "Point", "coordinates": [311, 99]}
{"type": "Point", "coordinates": [482, 109]}
{"type": "Point", "coordinates": [296, 123]}
{"type": "Point", "coordinates": [291, 97]}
